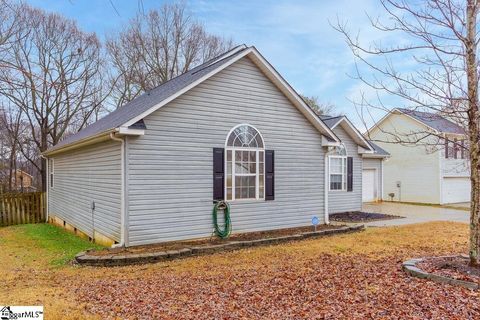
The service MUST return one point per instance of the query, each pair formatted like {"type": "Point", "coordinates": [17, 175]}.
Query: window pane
{"type": "Point", "coordinates": [229, 155]}
{"type": "Point", "coordinates": [229, 193]}
{"type": "Point", "coordinates": [245, 136]}
{"type": "Point", "coordinates": [245, 156]}
{"type": "Point", "coordinates": [336, 182]}
{"type": "Point", "coordinates": [251, 192]}
{"type": "Point", "coordinates": [253, 167]}
{"type": "Point", "coordinates": [244, 193]}
{"type": "Point", "coordinates": [259, 141]}
{"type": "Point", "coordinates": [229, 167]}
{"type": "Point", "coordinates": [253, 156]}
{"type": "Point", "coordinates": [229, 181]}
{"type": "Point", "coordinates": [260, 192]}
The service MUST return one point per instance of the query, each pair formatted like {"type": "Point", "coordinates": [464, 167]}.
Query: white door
{"type": "Point", "coordinates": [369, 187]}
{"type": "Point", "coordinates": [456, 190]}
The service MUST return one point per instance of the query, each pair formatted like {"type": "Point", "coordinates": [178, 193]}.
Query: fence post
{"type": "Point", "coordinates": [22, 208]}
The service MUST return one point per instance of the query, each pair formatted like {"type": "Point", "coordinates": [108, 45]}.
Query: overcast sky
{"type": "Point", "coordinates": [295, 36]}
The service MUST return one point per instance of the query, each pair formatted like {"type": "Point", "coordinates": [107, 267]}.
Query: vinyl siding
{"type": "Point", "coordinates": [170, 167]}
{"type": "Point", "coordinates": [416, 168]}
{"type": "Point", "coordinates": [84, 175]}
{"type": "Point", "coordinates": [371, 163]}
{"type": "Point", "coordinates": [343, 201]}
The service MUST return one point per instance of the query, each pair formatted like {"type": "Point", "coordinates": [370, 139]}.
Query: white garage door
{"type": "Point", "coordinates": [368, 185]}
{"type": "Point", "coordinates": [456, 190]}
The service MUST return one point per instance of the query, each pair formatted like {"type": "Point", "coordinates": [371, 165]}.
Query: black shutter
{"type": "Point", "coordinates": [349, 174]}
{"type": "Point", "coordinates": [446, 148]}
{"type": "Point", "coordinates": [218, 173]}
{"type": "Point", "coordinates": [455, 148]}
{"type": "Point", "coordinates": [269, 175]}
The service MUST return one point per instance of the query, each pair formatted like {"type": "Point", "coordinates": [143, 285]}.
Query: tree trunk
{"type": "Point", "coordinates": [473, 127]}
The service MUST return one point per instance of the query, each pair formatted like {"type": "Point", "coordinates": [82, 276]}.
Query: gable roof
{"type": "Point", "coordinates": [378, 152]}
{"type": "Point", "coordinates": [431, 120]}
{"type": "Point", "coordinates": [134, 111]}
{"type": "Point", "coordinates": [332, 122]}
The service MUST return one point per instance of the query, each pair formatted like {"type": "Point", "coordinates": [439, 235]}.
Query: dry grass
{"type": "Point", "coordinates": [30, 278]}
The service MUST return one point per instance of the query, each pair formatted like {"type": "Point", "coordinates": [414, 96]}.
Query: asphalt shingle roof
{"type": "Point", "coordinates": [329, 120]}
{"type": "Point", "coordinates": [149, 99]}
{"type": "Point", "coordinates": [378, 150]}
{"type": "Point", "coordinates": [434, 121]}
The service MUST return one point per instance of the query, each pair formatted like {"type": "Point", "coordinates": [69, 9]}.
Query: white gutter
{"type": "Point", "coordinates": [326, 187]}
{"type": "Point", "coordinates": [122, 191]}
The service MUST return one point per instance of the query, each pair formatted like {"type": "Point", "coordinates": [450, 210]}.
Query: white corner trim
{"type": "Point", "coordinates": [326, 189]}
{"type": "Point", "coordinates": [122, 190]}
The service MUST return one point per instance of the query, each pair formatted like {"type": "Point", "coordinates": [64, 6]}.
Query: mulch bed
{"type": "Point", "coordinates": [214, 240]}
{"type": "Point", "coordinates": [321, 287]}
{"type": "Point", "coordinates": [456, 267]}
{"type": "Point", "coordinates": [360, 216]}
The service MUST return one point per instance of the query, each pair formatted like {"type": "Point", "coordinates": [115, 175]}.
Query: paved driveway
{"type": "Point", "coordinates": [414, 213]}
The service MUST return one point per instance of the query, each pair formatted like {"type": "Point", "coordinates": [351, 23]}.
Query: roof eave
{"type": "Point", "coordinates": [103, 136]}
{"type": "Point", "coordinates": [361, 141]}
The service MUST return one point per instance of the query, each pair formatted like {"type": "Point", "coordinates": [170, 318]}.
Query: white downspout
{"type": "Point", "coordinates": [122, 191]}
{"type": "Point", "coordinates": [326, 188]}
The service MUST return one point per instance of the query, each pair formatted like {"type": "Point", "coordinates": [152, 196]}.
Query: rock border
{"type": "Point", "coordinates": [410, 267]}
{"type": "Point", "coordinates": [84, 258]}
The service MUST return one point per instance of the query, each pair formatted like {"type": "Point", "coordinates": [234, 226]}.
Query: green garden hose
{"type": "Point", "coordinates": [227, 229]}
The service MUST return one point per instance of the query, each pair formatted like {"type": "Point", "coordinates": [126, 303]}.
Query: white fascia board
{"type": "Point", "coordinates": [355, 134]}
{"type": "Point", "coordinates": [187, 88]}
{"type": "Point", "coordinates": [329, 143]}
{"type": "Point", "coordinates": [375, 156]}
{"type": "Point", "coordinates": [265, 66]}
{"type": "Point", "coordinates": [291, 94]}
{"type": "Point", "coordinates": [130, 131]}
{"type": "Point", "coordinates": [362, 150]}
{"type": "Point", "coordinates": [102, 136]}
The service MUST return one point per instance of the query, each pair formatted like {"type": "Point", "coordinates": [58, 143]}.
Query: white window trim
{"type": "Point", "coordinates": [51, 177]}
{"type": "Point", "coordinates": [257, 167]}
{"type": "Point", "coordinates": [344, 173]}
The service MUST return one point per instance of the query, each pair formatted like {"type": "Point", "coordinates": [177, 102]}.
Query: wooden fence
{"type": "Point", "coordinates": [21, 208]}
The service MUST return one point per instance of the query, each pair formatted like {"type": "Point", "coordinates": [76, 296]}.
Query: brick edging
{"type": "Point", "coordinates": [84, 258]}
{"type": "Point", "coordinates": [410, 267]}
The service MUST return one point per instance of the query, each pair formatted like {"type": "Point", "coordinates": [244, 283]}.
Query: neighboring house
{"type": "Point", "coordinates": [21, 180]}
{"type": "Point", "coordinates": [430, 165]}
{"type": "Point", "coordinates": [367, 167]}
{"type": "Point", "coordinates": [231, 128]}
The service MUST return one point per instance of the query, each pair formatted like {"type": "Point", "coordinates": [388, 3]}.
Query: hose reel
{"type": "Point", "coordinates": [227, 229]}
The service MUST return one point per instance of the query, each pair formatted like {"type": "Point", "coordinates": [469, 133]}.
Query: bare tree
{"type": "Point", "coordinates": [156, 47]}
{"type": "Point", "coordinates": [51, 73]}
{"type": "Point", "coordinates": [320, 108]}
{"type": "Point", "coordinates": [10, 122]}
{"type": "Point", "coordinates": [440, 37]}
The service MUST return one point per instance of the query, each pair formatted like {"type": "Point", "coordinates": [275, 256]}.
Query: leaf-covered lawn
{"type": "Point", "coordinates": [353, 276]}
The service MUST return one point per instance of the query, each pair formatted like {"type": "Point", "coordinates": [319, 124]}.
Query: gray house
{"type": "Point", "coordinates": [231, 128]}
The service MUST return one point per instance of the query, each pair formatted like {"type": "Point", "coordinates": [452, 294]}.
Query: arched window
{"type": "Point", "coordinates": [245, 175]}
{"type": "Point", "coordinates": [338, 168]}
